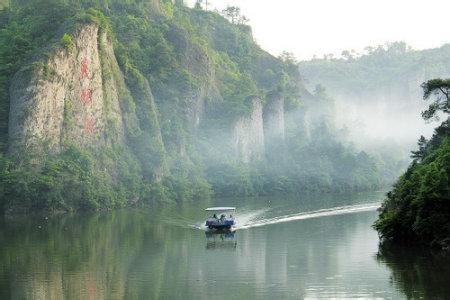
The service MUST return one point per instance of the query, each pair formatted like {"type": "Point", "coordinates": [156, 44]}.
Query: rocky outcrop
{"type": "Point", "coordinates": [274, 127]}
{"type": "Point", "coordinates": [78, 95]}
{"type": "Point", "coordinates": [248, 135]}
{"type": "Point", "coordinates": [67, 97]}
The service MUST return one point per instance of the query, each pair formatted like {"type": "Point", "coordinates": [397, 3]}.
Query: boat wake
{"type": "Point", "coordinates": [341, 210]}
{"type": "Point", "coordinates": [255, 218]}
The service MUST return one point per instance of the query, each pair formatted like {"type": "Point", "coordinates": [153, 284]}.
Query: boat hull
{"type": "Point", "coordinates": [219, 224]}
{"type": "Point", "coordinates": [220, 227]}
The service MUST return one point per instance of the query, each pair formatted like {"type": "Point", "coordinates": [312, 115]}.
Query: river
{"type": "Point", "coordinates": [286, 247]}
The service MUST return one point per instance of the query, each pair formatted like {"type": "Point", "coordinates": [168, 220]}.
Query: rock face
{"type": "Point", "coordinates": [77, 94]}
{"type": "Point", "coordinates": [67, 97]}
{"type": "Point", "coordinates": [248, 135]}
{"type": "Point", "coordinates": [263, 130]}
{"type": "Point", "coordinates": [274, 127]}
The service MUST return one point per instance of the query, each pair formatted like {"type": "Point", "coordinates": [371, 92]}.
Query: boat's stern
{"type": "Point", "coordinates": [220, 218]}
{"type": "Point", "coordinates": [220, 225]}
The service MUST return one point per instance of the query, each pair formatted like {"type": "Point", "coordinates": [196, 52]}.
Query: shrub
{"type": "Point", "coordinates": [66, 41]}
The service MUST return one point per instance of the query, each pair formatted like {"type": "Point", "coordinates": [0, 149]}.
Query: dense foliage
{"type": "Point", "coordinates": [184, 54]}
{"type": "Point", "coordinates": [440, 89]}
{"type": "Point", "coordinates": [377, 68]}
{"type": "Point", "coordinates": [23, 33]}
{"type": "Point", "coordinates": [417, 210]}
{"type": "Point", "coordinates": [71, 173]}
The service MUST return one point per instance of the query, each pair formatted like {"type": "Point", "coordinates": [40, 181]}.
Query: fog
{"type": "Point", "coordinates": [384, 119]}
{"type": "Point", "coordinates": [375, 122]}
{"type": "Point", "coordinates": [371, 119]}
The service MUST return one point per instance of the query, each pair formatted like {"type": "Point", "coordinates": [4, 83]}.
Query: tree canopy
{"type": "Point", "coordinates": [233, 14]}
{"type": "Point", "coordinates": [440, 89]}
{"type": "Point", "coordinates": [417, 210]}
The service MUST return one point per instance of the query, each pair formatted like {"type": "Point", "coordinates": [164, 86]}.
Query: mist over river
{"type": "Point", "coordinates": [311, 246]}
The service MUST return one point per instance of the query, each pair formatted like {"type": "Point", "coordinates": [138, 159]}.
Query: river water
{"type": "Point", "coordinates": [311, 246]}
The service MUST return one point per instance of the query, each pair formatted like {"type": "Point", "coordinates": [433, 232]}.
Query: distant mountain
{"type": "Point", "coordinates": [380, 90]}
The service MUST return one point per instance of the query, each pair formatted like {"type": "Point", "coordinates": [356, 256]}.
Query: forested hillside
{"type": "Point", "coordinates": [381, 67]}
{"type": "Point", "coordinates": [383, 83]}
{"type": "Point", "coordinates": [417, 210]}
{"type": "Point", "coordinates": [106, 103]}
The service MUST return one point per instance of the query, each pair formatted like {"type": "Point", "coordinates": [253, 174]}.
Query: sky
{"type": "Point", "coordinates": [317, 27]}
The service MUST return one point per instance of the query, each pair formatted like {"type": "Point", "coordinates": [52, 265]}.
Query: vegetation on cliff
{"type": "Point", "coordinates": [203, 72]}
{"type": "Point", "coordinates": [417, 210]}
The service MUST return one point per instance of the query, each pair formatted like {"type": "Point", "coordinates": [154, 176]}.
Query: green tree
{"type": "Point", "coordinates": [198, 4]}
{"type": "Point", "coordinates": [288, 58]}
{"type": "Point", "coordinates": [66, 41]}
{"type": "Point", "coordinates": [232, 13]}
{"type": "Point", "coordinates": [440, 88]}
{"type": "Point", "coordinates": [422, 146]}
{"type": "Point", "coordinates": [346, 54]}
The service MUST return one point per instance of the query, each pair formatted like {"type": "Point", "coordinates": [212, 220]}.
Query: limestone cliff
{"type": "Point", "coordinates": [66, 97]}
{"type": "Point", "coordinates": [150, 95]}
{"type": "Point", "coordinates": [78, 95]}
{"type": "Point", "coordinates": [274, 127]}
{"type": "Point", "coordinates": [248, 135]}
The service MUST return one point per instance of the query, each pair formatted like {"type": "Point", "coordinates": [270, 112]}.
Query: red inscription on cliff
{"type": "Point", "coordinates": [89, 126]}
{"type": "Point", "coordinates": [86, 96]}
{"type": "Point", "coordinates": [84, 69]}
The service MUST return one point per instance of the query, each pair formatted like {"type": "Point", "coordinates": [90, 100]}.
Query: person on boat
{"type": "Point", "coordinates": [215, 217]}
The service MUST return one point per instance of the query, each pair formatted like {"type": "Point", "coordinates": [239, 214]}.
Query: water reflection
{"type": "Point", "coordinates": [417, 272]}
{"type": "Point", "coordinates": [84, 257]}
{"type": "Point", "coordinates": [158, 253]}
{"type": "Point", "coordinates": [221, 240]}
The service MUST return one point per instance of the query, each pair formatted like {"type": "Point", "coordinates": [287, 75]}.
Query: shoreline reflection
{"type": "Point", "coordinates": [419, 273]}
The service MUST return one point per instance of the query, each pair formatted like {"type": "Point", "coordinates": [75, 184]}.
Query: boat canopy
{"type": "Point", "coordinates": [220, 208]}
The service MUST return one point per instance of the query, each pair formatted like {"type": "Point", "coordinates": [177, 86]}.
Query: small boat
{"type": "Point", "coordinates": [220, 218]}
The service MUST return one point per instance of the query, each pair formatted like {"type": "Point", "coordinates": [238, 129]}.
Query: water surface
{"type": "Point", "coordinates": [312, 246]}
